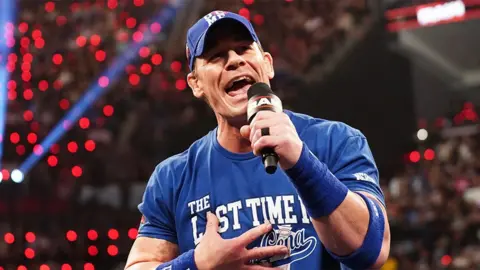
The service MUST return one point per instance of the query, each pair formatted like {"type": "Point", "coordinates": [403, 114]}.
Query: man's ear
{"type": "Point", "coordinates": [268, 61]}
{"type": "Point", "coordinates": [193, 82]}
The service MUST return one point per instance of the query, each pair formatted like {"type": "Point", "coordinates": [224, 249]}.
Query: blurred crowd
{"type": "Point", "coordinates": [433, 207]}
{"type": "Point", "coordinates": [99, 168]}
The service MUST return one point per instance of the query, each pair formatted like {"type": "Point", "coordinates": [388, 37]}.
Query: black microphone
{"type": "Point", "coordinates": [262, 98]}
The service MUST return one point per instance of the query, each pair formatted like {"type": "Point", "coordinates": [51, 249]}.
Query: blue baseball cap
{"type": "Point", "coordinates": [197, 33]}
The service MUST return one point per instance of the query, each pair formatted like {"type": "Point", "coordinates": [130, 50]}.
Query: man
{"type": "Point", "coordinates": [214, 206]}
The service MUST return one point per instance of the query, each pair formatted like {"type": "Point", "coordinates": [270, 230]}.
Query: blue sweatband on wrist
{"type": "Point", "coordinates": [186, 261]}
{"type": "Point", "coordinates": [320, 190]}
{"type": "Point", "coordinates": [365, 256]}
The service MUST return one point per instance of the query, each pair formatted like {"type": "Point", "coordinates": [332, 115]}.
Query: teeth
{"type": "Point", "coordinates": [249, 80]}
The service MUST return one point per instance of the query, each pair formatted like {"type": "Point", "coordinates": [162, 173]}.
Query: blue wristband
{"type": "Point", "coordinates": [186, 261]}
{"type": "Point", "coordinates": [320, 190]}
{"type": "Point", "coordinates": [366, 255]}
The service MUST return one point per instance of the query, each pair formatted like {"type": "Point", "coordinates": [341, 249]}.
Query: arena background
{"type": "Point", "coordinates": [93, 96]}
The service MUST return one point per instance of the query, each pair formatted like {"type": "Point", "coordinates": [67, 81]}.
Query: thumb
{"type": "Point", "coordinates": [245, 131]}
{"type": "Point", "coordinates": [212, 223]}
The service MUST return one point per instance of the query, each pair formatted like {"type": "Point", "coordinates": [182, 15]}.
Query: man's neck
{"type": "Point", "coordinates": [229, 137]}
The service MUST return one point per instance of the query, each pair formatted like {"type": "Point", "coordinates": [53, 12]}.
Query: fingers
{"type": "Point", "coordinates": [245, 131]}
{"type": "Point", "coordinates": [267, 141]}
{"type": "Point", "coordinates": [212, 223]}
{"type": "Point", "coordinates": [252, 234]}
{"type": "Point", "coordinates": [266, 252]}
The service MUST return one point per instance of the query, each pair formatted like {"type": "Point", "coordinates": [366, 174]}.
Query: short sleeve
{"type": "Point", "coordinates": [355, 166]}
{"type": "Point", "coordinates": [157, 218]}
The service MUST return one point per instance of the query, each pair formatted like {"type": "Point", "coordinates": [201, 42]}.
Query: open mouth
{"type": "Point", "coordinates": [239, 84]}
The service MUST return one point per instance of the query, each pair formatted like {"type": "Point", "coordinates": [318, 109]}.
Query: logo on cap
{"type": "Point", "coordinates": [214, 16]}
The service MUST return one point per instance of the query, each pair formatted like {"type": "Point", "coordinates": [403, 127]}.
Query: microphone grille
{"type": "Point", "coordinates": [259, 88]}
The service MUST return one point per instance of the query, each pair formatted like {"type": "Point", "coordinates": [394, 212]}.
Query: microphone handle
{"type": "Point", "coordinates": [270, 160]}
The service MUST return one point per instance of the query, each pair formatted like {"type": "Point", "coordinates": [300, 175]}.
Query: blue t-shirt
{"type": "Point", "coordinates": [235, 187]}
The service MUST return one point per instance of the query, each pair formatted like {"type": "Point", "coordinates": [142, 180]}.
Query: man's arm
{"type": "Point", "coordinates": [343, 231]}
{"type": "Point", "coordinates": [148, 253]}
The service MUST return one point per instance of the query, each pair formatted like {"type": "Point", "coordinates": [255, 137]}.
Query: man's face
{"type": "Point", "coordinates": [230, 64]}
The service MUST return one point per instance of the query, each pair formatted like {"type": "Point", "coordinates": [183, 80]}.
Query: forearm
{"type": "Point", "coordinates": [343, 231]}
{"type": "Point", "coordinates": [353, 231]}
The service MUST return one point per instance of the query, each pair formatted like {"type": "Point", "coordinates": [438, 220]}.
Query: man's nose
{"type": "Point", "coordinates": [234, 60]}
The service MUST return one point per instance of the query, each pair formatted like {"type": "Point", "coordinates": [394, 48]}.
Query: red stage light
{"type": "Point", "coordinates": [9, 238]}
{"type": "Point", "coordinates": [156, 59]}
{"type": "Point", "coordinates": [132, 233]}
{"type": "Point", "coordinates": [32, 138]}
{"type": "Point", "coordinates": [20, 149]}
{"type": "Point", "coordinates": [414, 156]}
{"type": "Point", "coordinates": [258, 19]}
{"type": "Point", "coordinates": [108, 110]}
{"type": "Point", "coordinates": [57, 59]}
{"type": "Point", "coordinates": [176, 66]}
{"type": "Point", "coordinates": [23, 27]}
{"type": "Point", "coordinates": [28, 94]}
{"type": "Point", "coordinates": [49, 6]}
{"type": "Point", "coordinates": [43, 85]}
{"type": "Point", "coordinates": [36, 34]}
{"type": "Point", "coordinates": [28, 57]}
{"type": "Point", "coordinates": [77, 171]}
{"type": "Point", "coordinates": [71, 236]}
{"type": "Point", "coordinates": [84, 123]}
{"type": "Point", "coordinates": [39, 43]}
{"type": "Point", "coordinates": [12, 95]}
{"type": "Point", "coordinates": [112, 250]}
{"type": "Point", "coordinates": [134, 79]}
{"type": "Point", "coordinates": [100, 55]}
{"type": "Point", "coordinates": [24, 42]}
{"type": "Point", "coordinates": [38, 150]}
{"type": "Point", "coordinates": [181, 84]}
{"type": "Point", "coordinates": [92, 235]}
{"type": "Point", "coordinates": [34, 126]}
{"type": "Point", "coordinates": [103, 81]}
{"type": "Point", "coordinates": [52, 161]}
{"type": "Point", "coordinates": [64, 104]}
{"type": "Point", "coordinates": [112, 4]}
{"type": "Point", "coordinates": [29, 253]}
{"type": "Point", "coordinates": [155, 28]}
{"type": "Point", "coordinates": [5, 174]}
{"type": "Point", "coordinates": [28, 115]}
{"type": "Point", "coordinates": [81, 41]}
{"type": "Point", "coordinates": [248, 2]}
{"type": "Point", "coordinates": [57, 84]}
{"type": "Point", "coordinates": [21, 267]}
{"type": "Point", "coordinates": [131, 22]}
{"type": "Point", "coordinates": [244, 12]}
{"type": "Point", "coordinates": [44, 267]}
{"type": "Point", "coordinates": [30, 237]}
{"type": "Point", "coordinates": [26, 67]}
{"type": "Point", "coordinates": [61, 20]}
{"type": "Point", "coordinates": [14, 137]}
{"type": "Point", "coordinates": [72, 147]}
{"type": "Point", "coordinates": [429, 154]}
{"type": "Point", "coordinates": [113, 234]}
{"type": "Point", "coordinates": [26, 76]}
{"type": "Point", "coordinates": [90, 145]}
{"type": "Point", "coordinates": [66, 267]}
{"type": "Point", "coordinates": [11, 85]}
{"type": "Point", "coordinates": [137, 36]}
{"type": "Point", "coordinates": [55, 149]}
{"type": "Point", "coordinates": [144, 52]}
{"type": "Point", "coordinates": [92, 251]}
{"type": "Point", "coordinates": [13, 58]}
{"type": "Point", "coordinates": [138, 3]}
{"type": "Point", "coordinates": [146, 69]}
{"type": "Point", "coordinates": [88, 266]}
{"type": "Point", "coordinates": [95, 40]}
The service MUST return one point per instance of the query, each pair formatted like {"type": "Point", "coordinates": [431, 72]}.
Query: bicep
{"type": "Point", "coordinates": [148, 253]}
